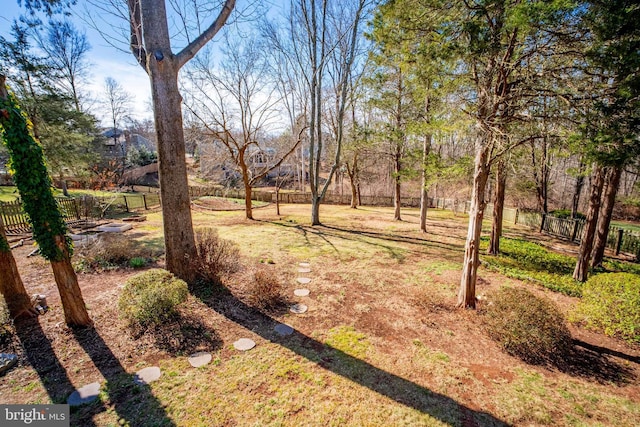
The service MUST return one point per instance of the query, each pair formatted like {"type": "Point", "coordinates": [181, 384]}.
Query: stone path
{"type": "Point", "coordinates": [90, 392]}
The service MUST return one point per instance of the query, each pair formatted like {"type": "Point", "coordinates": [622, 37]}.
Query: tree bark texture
{"type": "Point", "coordinates": [162, 68]}
{"type": "Point", "coordinates": [604, 218]}
{"type": "Point", "coordinates": [397, 185]}
{"type": "Point", "coordinates": [467, 291]}
{"type": "Point", "coordinates": [498, 208]}
{"type": "Point", "coordinates": [424, 197]}
{"type": "Point", "coordinates": [75, 311]}
{"type": "Point", "coordinates": [11, 286]}
{"type": "Point", "coordinates": [575, 203]}
{"type": "Point", "coordinates": [581, 271]}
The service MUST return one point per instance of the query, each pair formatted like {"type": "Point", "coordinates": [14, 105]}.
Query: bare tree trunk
{"type": "Point", "coordinates": [424, 197]}
{"type": "Point", "coordinates": [396, 186]}
{"type": "Point", "coordinates": [277, 201]}
{"type": "Point", "coordinates": [498, 208]}
{"type": "Point", "coordinates": [604, 218]}
{"type": "Point", "coordinates": [163, 67]}
{"type": "Point", "coordinates": [467, 291]}
{"type": "Point", "coordinates": [248, 209]}
{"type": "Point", "coordinates": [75, 311]}
{"type": "Point", "coordinates": [11, 286]}
{"type": "Point", "coordinates": [578, 190]}
{"type": "Point", "coordinates": [581, 271]}
{"type": "Point", "coordinates": [352, 172]}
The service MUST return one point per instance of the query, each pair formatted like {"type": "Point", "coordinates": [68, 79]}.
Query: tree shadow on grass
{"type": "Point", "coordinates": [401, 390]}
{"type": "Point", "coordinates": [594, 363]}
{"type": "Point", "coordinates": [43, 359]}
{"type": "Point", "coordinates": [133, 403]}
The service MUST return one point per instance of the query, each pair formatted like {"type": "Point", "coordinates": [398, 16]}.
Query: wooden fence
{"type": "Point", "coordinates": [77, 210]}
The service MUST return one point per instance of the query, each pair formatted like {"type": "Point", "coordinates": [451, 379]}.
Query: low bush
{"type": "Point", "coordinates": [216, 257]}
{"type": "Point", "coordinates": [611, 303]}
{"type": "Point", "coordinates": [530, 261]}
{"type": "Point", "coordinates": [150, 298]}
{"type": "Point", "coordinates": [110, 251]}
{"type": "Point", "coordinates": [527, 326]}
{"type": "Point", "coordinates": [265, 291]}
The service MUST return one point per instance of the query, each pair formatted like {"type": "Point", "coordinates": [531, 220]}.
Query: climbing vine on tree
{"type": "Point", "coordinates": [34, 184]}
{"type": "Point", "coordinates": [32, 179]}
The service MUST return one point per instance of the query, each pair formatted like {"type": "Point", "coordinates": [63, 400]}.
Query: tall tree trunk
{"type": "Point", "coordinates": [11, 286]}
{"type": "Point", "coordinates": [248, 209]}
{"type": "Point", "coordinates": [498, 207]}
{"type": "Point", "coordinates": [575, 203]}
{"type": "Point", "coordinates": [352, 172]}
{"type": "Point", "coordinates": [315, 210]}
{"type": "Point", "coordinates": [162, 68]}
{"type": "Point", "coordinates": [424, 197]}
{"type": "Point", "coordinates": [581, 271]}
{"type": "Point", "coordinates": [75, 311]}
{"type": "Point", "coordinates": [467, 291]}
{"type": "Point", "coordinates": [604, 218]}
{"type": "Point", "coordinates": [396, 185]}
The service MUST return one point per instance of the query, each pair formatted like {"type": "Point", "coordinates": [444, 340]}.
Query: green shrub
{"type": "Point", "coordinates": [611, 303]}
{"type": "Point", "coordinates": [151, 297]}
{"type": "Point", "coordinates": [527, 326]}
{"type": "Point", "coordinates": [137, 262]}
{"type": "Point", "coordinates": [524, 260]}
{"type": "Point", "coordinates": [566, 214]}
{"type": "Point", "coordinates": [265, 291]}
{"type": "Point", "coordinates": [216, 257]}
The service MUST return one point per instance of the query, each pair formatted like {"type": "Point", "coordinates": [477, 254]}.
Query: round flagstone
{"type": "Point", "coordinates": [7, 361]}
{"type": "Point", "coordinates": [244, 344]}
{"type": "Point", "coordinates": [301, 292]}
{"type": "Point", "coordinates": [85, 394]}
{"type": "Point", "coordinates": [304, 280]}
{"type": "Point", "coordinates": [304, 270]}
{"type": "Point", "coordinates": [282, 329]}
{"type": "Point", "coordinates": [298, 308]}
{"type": "Point", "coordinates": [147, 375]}
{"type": "Point", "coordinates": [199, 359]}
{"type": "Point", "coordinates": [304, 265]}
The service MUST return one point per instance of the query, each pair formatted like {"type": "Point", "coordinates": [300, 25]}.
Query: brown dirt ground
{"type": "Point", "coordinates": [391, 317]}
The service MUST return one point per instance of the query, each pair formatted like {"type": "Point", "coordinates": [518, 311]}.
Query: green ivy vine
{"type": "Point", "coordinates": [32, 179]}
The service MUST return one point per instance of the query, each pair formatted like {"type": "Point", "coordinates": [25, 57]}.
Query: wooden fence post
{"type": "Point", "coordinates": [144, 200]}
{"type": "Point", "coordinates": [126, 205]}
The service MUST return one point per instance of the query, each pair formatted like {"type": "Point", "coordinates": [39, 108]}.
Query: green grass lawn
{"type": "Point", "coordinates": [631, 226]}
{"type": "Point", "coordinates": [9, 194]}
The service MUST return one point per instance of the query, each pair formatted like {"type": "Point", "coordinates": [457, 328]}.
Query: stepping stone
{"type": "Point", "coordinates": [199, 359]}
{"type": "Point", "coordinates": [244, 344]}
{"type": "Point", "coordinates": [85, 394]}
{"type": "Point", "coordinates": [298, 308]}
{"type": "Point", "coordinates": [304, 270]}
{"type": "Point", "coordinates": [7, 361]}
{"type": "Point", "coordinates": [304, 280]}
{"type": "Point", "coordinates": [301, 292]}
{"type": "Point", "coordinates": [304, 265]}
{"type": "Point", "coordinates": [147, 375]}
{"type": "Point", "coordinates": [283, 330]}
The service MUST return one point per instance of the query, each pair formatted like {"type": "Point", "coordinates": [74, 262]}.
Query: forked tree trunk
{"type": "Point", "coordinates": [162, 68]}
{"type": "Point", "coordinates": [604, 218]}
{"type": "Point", "coordinates": [581, 271]}
{"type": "Point", "coordinates": [467, 291]}
{"type": "Point", "coordinates": [352, 172]}
{"type": "Point", "coordinates": [11, 286]}
{"type": "Point", "coordinates": [498, 208]}
{"type": "Point", "coordinates": [75, 311]}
